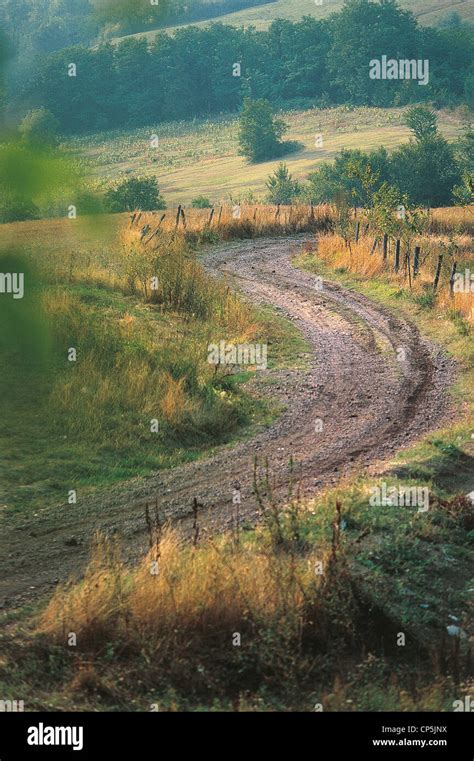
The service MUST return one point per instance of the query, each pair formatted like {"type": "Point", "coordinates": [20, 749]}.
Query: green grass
{"type": "Point", "coordinates": [88, 423]}
{"type": "Point", "coordinates": [427, 12]}
{"type": "Point", "coordinates": [201, 157]}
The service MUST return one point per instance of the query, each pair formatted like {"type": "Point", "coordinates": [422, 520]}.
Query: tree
{"type": "Point", "coordinates": [282, 188]}
{"type": "Point", "coordinates": [464, 192]}
{"type": "Point", "coordinates": [40, 128]}
{"type": "Point", "coordinates": [366, 30]}
{"type": "Point", "coordinates": [427, 171]}
{"type": "Point", "coordinates": [260, 133]}
{"type": "Point", "coordinates": [135, 193]}
{"type": "Point", "coordinates": [349, 176]}
{"type": "Point", "coordinates": [423, 122]}
{"type": "Point", "coordinates": [469, 91]}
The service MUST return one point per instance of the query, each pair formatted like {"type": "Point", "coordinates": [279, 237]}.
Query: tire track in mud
{"type": "Point", "coordinates": [369, 402]}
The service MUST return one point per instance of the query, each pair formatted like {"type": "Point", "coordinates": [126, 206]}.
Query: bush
{"type": "Point", "coordinates": [260, 133]}
{"type": "Point", "coordinates": [14, 208]}
{"type": "Point", "coordinates": [40, 127]}
{"type": "Point", "coordinates": [135, 193]}
{"type": "Point", "coordinates": [201, 202]}
{"type": "Point", "coordinates": [282, 188]}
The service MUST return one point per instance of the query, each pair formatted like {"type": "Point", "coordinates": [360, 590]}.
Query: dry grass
{"type": "Point", "coordinates": [426, 11]}
{"type": "Point", "coordinates": [457, 219]}
{"type": "Point", "coordinates": [227, 222]}
{"type": "Point", "coordinates": [239, 597]}
{"type": "Point", "coordinates": [361, 258]}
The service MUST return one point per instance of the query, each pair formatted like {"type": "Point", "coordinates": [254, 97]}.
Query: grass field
{"type": "Point", "coordinates": [201, 157]}
{"type": "Point", "coordinates": [426, 11]}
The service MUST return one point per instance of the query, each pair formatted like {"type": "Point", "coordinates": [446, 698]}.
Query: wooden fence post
{"type": "Point", "coordinates": [385, 245]}
{"type": "Point", "coordinates": [209, 221]}
{"type": "Point", "coordinates": [183, 217]}
{"type": "Point", "coordinates": [277, 213]}
{"type": "Point", "coordinates": [220, 215]}
{"type": "Point", "coordinates": [397, 255]}
{"type": "Point", "coordinates": [178, 214]}
{"type": "Point", "coordinates": [366, 229]}
{"type": "Point", "coordinates": [145, 231]}
{"type": "Point", "coordinates": [416, 261]}
{"type": "Point", "coordinates": [374, 245]}
{"type": "Point", "coordinates": [438, 272]}
{"type": "Point", "coordinates": [451, 278]}
{"type": "Point", "coordinates": [357, 230]}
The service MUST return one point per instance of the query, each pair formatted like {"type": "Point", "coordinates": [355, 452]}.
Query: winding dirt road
{"type": "Point", "coordinates": [371, 397]}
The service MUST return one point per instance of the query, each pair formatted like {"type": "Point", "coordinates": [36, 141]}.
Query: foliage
{"type": "Point", "coordinates": [282, 188]}
{"type": "Point", "coordinates": [201, 202]}
{"type": "Point", "coordinates": [260, 132]}
{"type": "Point", "coordinates": [423, 122]}
{"type": "Point", "coordinates": [190, 73]}
{"type": "Point", "coordinates": [426, 171]}
{"type": "Point", "coordinates": [135, 193]}
{"type": "Point", "coordinates": [39, 127]}
{"type": "Point", "coordinates": [352, 174]}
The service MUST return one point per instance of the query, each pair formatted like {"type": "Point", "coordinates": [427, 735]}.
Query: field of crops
{"type": "Point", "coordinates": [201, 157]}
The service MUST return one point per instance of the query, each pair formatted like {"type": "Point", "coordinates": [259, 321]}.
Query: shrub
{"type": "Point", "coordinates": [282, 188]}
{"type": "Point", "coordinates": [40, 127]}
{"type": "Point", "coordinates": [135, 193]}
{"type": "Point", "coordinates": [260, 133]}
{"type": "Point", "coordinates": [14, 208]}
{"type": "Point", "coordinates": [201, 202]}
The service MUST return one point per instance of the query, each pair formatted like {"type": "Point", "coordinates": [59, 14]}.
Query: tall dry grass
{"type": "Point", "coordinates": [234, 602]}
{"type": "Point", "coordinates": [238, 221]}
{"type": "Point", "coordinates": [361, 258]}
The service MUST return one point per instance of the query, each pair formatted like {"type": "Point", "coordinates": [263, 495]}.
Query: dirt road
{"type": "Point", "coordinates": [372, 381]}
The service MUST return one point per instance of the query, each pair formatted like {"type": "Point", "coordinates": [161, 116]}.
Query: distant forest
{"type": "Point", "coordinates": [192, 73]}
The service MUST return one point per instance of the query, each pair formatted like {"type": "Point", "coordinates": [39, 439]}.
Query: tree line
{"type": "Point", "coordinates": [193, 73]}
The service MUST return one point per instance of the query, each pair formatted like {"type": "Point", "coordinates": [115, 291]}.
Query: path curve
{"type": "Point", "coordinates": [370, 403]}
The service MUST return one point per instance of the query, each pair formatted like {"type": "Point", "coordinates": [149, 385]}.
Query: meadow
{"type": "Point", "coordinates": [427, 12]}
{"type": "Point", "coordinates": [201, 157]}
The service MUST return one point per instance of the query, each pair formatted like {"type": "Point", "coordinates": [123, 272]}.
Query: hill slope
{"type": "Point", "coordinates": [201, 157]}
{"type": "Point", "coordinates": [426, 11]}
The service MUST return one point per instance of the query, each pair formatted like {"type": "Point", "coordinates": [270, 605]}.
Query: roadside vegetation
{"type": "Point", "coordinates": [108, 350]}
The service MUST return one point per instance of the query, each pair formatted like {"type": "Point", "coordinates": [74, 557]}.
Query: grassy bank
{"type": "Point", "coordinates": [114, 380]}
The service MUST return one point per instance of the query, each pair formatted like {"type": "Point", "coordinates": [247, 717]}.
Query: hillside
{"type": "Point", "coordinates": [428, 12]}
{"type": "Point", "coordinates": [200, 157]}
